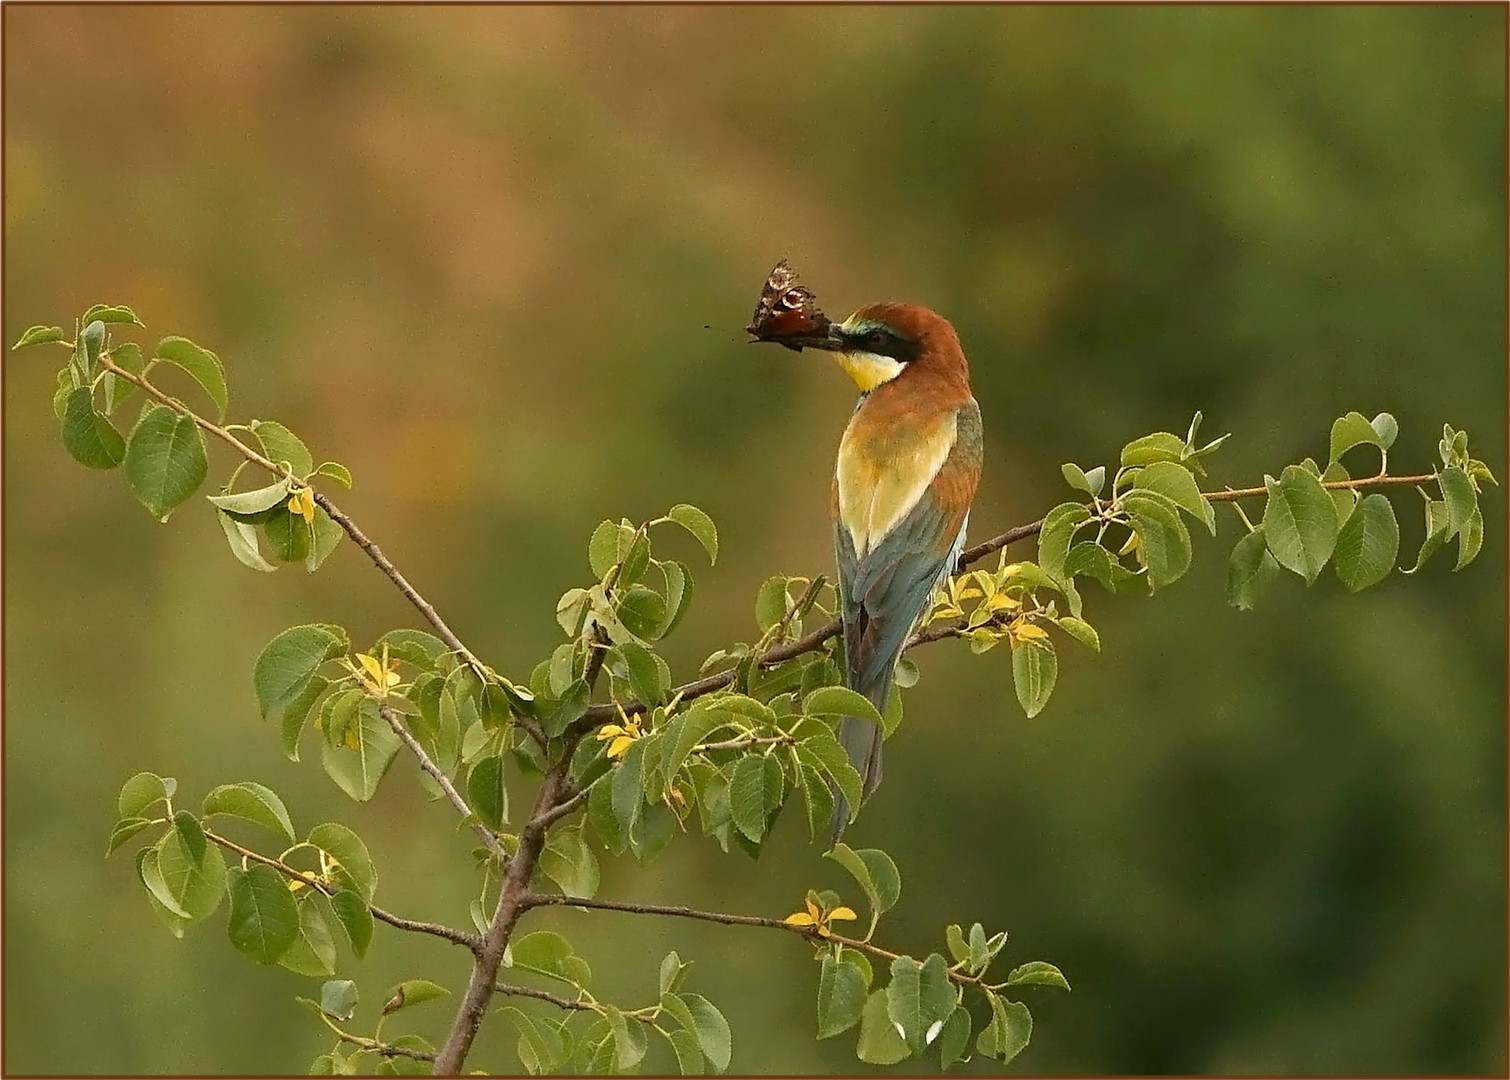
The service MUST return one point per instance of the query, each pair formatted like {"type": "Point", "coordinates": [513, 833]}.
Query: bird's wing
{"type": "Point", "coordinates": [885, 591]}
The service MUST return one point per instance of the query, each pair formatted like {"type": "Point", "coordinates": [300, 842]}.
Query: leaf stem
{"type": "Point", "coordinates": [458, 937]}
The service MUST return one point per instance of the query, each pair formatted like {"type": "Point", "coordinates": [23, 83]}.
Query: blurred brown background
{"type": "Point", "coordinates": [495, 259]}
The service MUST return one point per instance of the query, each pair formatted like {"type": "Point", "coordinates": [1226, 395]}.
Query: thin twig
{"type": "Point", "coordinates": [562, 809]}
{"type": "Point", "coordinates": [812, 933]}
{"type": "Point", "coordinates": [438, 775]}
{"type": "Point", "coordinates": [513, 990]}
{"type": "Point", "coordinates": [1232, 494]}
{"type": "Point", "coordinates": [458, 937]}
{"type": "Point", "coordinates": [385, 1049]}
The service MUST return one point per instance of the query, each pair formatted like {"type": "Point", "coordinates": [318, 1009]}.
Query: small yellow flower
{"type": "Point", "coordinates": [294, 884]}
{"type": "Point", "coordinates": [377, 676]}
{"type": "Point", "coordinates": [1028, 631]}
{"type": "Point", "coordinates": [302, 502]}
{"type": "Point", "coordinates": [622, 735]}
{"type": "Point", "coordinates": [818, 919]}
{"type": "Point", "coordinates": [845, 913]}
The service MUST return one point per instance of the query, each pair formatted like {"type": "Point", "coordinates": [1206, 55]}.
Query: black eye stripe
{"type": "Point", "coordinates": [885, 343]}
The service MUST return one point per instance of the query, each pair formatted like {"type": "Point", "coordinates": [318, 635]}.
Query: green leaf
{"type": "Point", "coordinates": [201, 364]}
{"type": "Point", "coordinates": [141, 791]}
{"type": "Point", "coordinates": [196, 884]}
{"type": "Point", "coordinates": [91, 341]}
{"type": "Point", "coordinates": [1081, 631]}
{"type": "Point", "coordinates": [325, 535]}
{"type": "Point", "coordinates": [840, 701]}
{"type": "Point", "coordinates": [359, 764]}
{"type": "Point", "coordinates": [252, 801]}
{"type": "Point", "coordinates": [296, 712]}
{"type": "Point", "coordinates": [824, 752]}
{"type": "Point", "coordinates": [679, 586]}
{"type": "Point", "coordinates": [600, 812]}
{"type": "Point", "coordinates": [128, 357]}
{"type": "Point", "coordinates": [1009, 1031]}
{"type": "Point", "coordinates": [546, 953]}
{"type": "Point", "coordinates": [770, 602]}
{"type": "Point", "coordinates": [124, 830]}
{"type": "Point", "coordinates": [242, 539]}
{"type": "Point", "coordinates": [540, 1048]}
{"type": "Point", "coordinates": [1353, 430]}
{"type": "Point", "coordinates": [1164, 540]}
{"type": "Point", "coordinates": [1386, 428]}
{"type": "Point", "coordinates": [282, 446]}
{"type": "Point", "coordinates": [1300, 523]}
{"type": "Point", "coordinates": [289, 537]}
{"type": "Point", "coordinates": [165, 460]}
{"type": "Point", "coordinates": [1176, 484]}
{"type": "Point", "coordinates": [603, 548]}
{"type": "Point", "coordinates": [336, 471]}
{"type": "Point", "coordinates": [1250, 571]}
{"type": "Point", "coordinates": [111, 313]}
{"type": "Point", "coordinates": [338, 998]}
{"type": "Point", "coordinates": [629, 1039]}
{"type": "Point", "coordinates": [642, 611]}
{"type": "Point", "coordinates": [644, 672]}
{"type": "Point", "coordinates": [190, 834]}
{"type": "Point", "coordinates": [879, 1042]}
{"type": "Point", "coordinates": [1367, 544]}
{"type": "Point", "coordinates": [713, 1035]}
{"type": "Point", "coordinates": [254, 504]}
{"type": "Point", "coordinates": [345, 847]}
{"type": "Point", "coordinates": [291, 661]}
{"type": "Point", "coordinates": [1470, 539]}
{"type": "Point", "coordinates": [1058, 533]}
{"type": "Point", "coordinates": [412, 992]}
{"type": "Point", "coordinates": [700, 525]}
{"type": "Point", "coordinates": [696, 725]}
{"type": "Point", "coordinates": [875, 873]}
{"type": "Point", "coordinates": [1035, 668]}
{"type": "Point", "coordinates": [629, 787]}
{"type": "Point", "coordinates": [313, 952]}
{"type": "Point", "coordinates": [355, 918]}
{"type": "Point", "coordinates": [1088, 482]}
{"type": "Point", "coordinates": [671, 972]}
{"type": "Point", "coordinates": [39, 335]}
{"type": "Point", "coordinates": [1461, 499]}
{"type": "Point", "coordinates": [570, 863]}
{"type": "Point", "coordinates": [841, 997]}
{"type": "Point", "coordinates": [954, 1037]}
{"type": "Point", "coordinates": [747, 796]}
{"type": "Point", "coordinates": [1037, 973]}
{"type": "Point", "coordinates": [264, 915]}
{"type": "Point", "coordinates": [87, 435]}
{"type": "Point", "coordinates": [919, 997]}
{"type": "Point", "coordinates": [486, 792]}
{"type": "Point", "coordinates": [817, 799]}
{"type": "Point", "coordinates": [151, 878]}
{"type": "Point", "coordinates": [1160, 446]}
{"type": "Point", "coordinates": [1436, 533]}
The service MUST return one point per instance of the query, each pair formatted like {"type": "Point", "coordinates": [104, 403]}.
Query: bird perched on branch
{"type": "Point", "coordinates": [908, 467]}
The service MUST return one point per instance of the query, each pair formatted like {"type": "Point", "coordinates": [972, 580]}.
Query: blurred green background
{"type": "Point", "coordinates": [496, 259]}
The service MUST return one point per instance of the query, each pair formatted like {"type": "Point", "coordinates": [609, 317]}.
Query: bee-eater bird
{"type": "Point", "coordinates": [908, 466]}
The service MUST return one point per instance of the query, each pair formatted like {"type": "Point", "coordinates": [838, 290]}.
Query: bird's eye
{"type": "Point", "coordinates": [876, 338]}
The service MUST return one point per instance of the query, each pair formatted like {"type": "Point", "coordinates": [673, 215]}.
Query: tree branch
{"type": "Point", "coordinates": [458, 937]}
{"type": "Point", "coordinates": [438, 775]}
{"type": "Point", "coordinates": [512, 990]}
{"type": "Point", "coordinates": [812, 933]}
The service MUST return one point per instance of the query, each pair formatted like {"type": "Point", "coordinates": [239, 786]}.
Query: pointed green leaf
{"type": "Point", "coordinates": [919, 997]}
{"type": "Point", "coordinates": [1470, 539]}
{"type": "Point", "coordinates": [124, 830]}
{"type": "Point", "coordinates": [1250, 571]}
{"type": "Point", "coordinates": [1176, 484]}
{"type": "Point", "coordinates": [346, 849]}
{"type": "Point", "coordinates": [1058, 533]}
{"type": "Point", "coordinates": [1164, 540]}
{"type": "Point", "coordinates": [1461, 499]}
{"type": "Point", "coordinates": [201, 364]}
{"type": "Point", "coordinates": [336, 471]}
{"type": "Point", "coordinates": [700, 525]}
{"type": "Point", "coordinates": [1300, 522]}
{"type": "Point", "coordinates": [355, 917]}
{"type": "Point", "coordinates": [313, 952]}
{"type": "Point", "coordinates": [325, 535]}
{"type": "Point", "coordinates": [88, 436]}
{"type": "Point", "coordinates": [141, 791]}
{"type": "Point", "coordinates": [253, 801]}
{"type": "Point", "coordinates": [339, 998]}
{"type": "Point", "coordinates": [1160, 446]}
{"type": "Point", "coordinates": [570, 863]}
{"type": "Point", "coordinates": [840, 701]}
{"type": "Point", "coordinates": [644, 673]}
{"type": "Point", "coordinates": [289, 662]}
{"type": "Point", "coordinates": [412, 992]}
{"type": "Point", "coordinates": [283, 447]}
{"type": "Point", "coordinates": [954, 1037]}
{"type": "Point", "coordinates": [364, 756]}
{"type": "Point", "coordinates": [195, 884]}
{"type": "Point", "coordinates": [264, 915]}
{"type": "Point", "coordinates": [1081, 631]}
{"type": "Point", "coordinates": [875, 873]}
{"type": "Point", "coordinates": [1367, 544]}
{"type": "Point", "coordinates": [253, 503]}
{"type": "Point", "coordinates": [1354, 430]}
{"type": "Point", "coordinates": [1035, 669]}
{"type": "Point", "coordinates": [747, 796]}
{"type": "Point", "coordinates": [841, 997]}
{"type": "Point", "coordinates": [39, 335]}
{"type": "Point", "coordinates": [165, 460]}
{"type": "Point", "coordinates": [111, 313]}
{"type": "Point", "coordinates": [879, 1042]}
{"type": "Point", "coordinates": [242, 539]}
{"type": "Point", "coordinates": [1009, 1031]}
{"type": "Point", "coordinates": [713, 1035]}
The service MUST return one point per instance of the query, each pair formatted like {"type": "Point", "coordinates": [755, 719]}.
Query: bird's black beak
{"type": "Point", "coordinates": [829, 339]}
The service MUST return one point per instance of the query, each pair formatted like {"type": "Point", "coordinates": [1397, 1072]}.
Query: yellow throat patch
{"type": "Point", "coordinates": [869, 370]}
